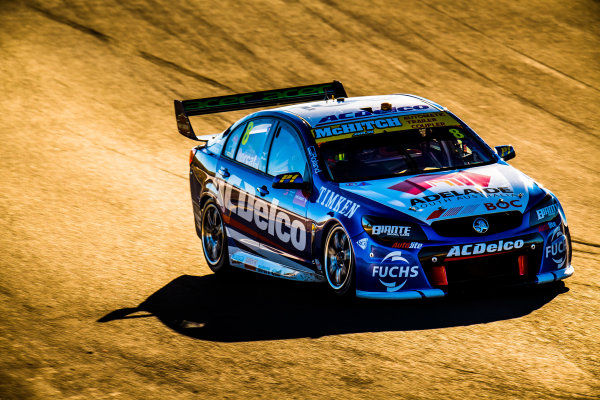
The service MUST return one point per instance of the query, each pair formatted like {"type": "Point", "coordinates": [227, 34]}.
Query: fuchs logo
{"type": "Point", "coordinates": [362, 243]}
{"type": "Point", "coordinates": [481, 225]}
{"type": "Point", "coordinates": [403, 269]}
{"type": "Point", "coordinates": [485, 248]}
{"type": "Point", "coordinates": [421, 183]}
{"type": "Point", "coordinates": [557, 247]}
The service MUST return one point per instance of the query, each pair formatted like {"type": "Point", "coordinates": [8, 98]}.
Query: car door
{"type": "Point", "coordinates": [264, 221]}
{"type": "Point", "coordinates": [286, 156]}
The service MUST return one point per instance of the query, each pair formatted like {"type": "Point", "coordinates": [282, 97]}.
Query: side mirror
{"type": "Point", "coordinates": [293, 180]}
{"type": "Point", "coordinates": [506, 152]}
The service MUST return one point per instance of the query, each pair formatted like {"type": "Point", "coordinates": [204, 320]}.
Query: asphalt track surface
{"type": "Point", "coordinates": [104, 292]}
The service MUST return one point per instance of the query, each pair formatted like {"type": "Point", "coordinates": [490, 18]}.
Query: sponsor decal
{"type": "Point", "coordinates": [289, 178]}
{"type": "Point", "coordinates": [362, 243]}
{"type": "Point", "coordinates": [407, 245]}
{"type": "Point", "coordinates": [265, 217]}
{"type": "Point", "coordinates": [360, 126]}
{"type": "Point", "coordinates": [390, 230]}
{"type": "Point", "coordinates": [250, 160]}
{"type": "Point", "coordinates": [401, 268]}
{"type": "Point", "coordinates": [352, 115]}
{"type": "Point", "coordinates": [314, 160]}
{"type": "Point", "coordinates": [487, 192]}
{"type": "Point", "coordinates": [557, 247]}
{"type": "Point", "coordinates": [502, 205]}
{"type": "Point", "coordinates": [504, 150]}
{"type": "Point", "coordinates": [421, 183]}
{"type": "Point", "coordinates": [357, 184]}
{"type": "Point", "coordinates": [546, 226]}
{"type": "Point", "coordinates": [470, 250]}
{"type": "Point", "coordinates": [550, 210]}
{"type": "Point", "coordinates": [299, 198]}
{"type": "Point", "coordinates": [337, 203]}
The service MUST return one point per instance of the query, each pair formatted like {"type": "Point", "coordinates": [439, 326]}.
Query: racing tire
{"type": "Point", "coordinates": [338, 262]}
{"type": "Point", "coordinates": [214, 238]}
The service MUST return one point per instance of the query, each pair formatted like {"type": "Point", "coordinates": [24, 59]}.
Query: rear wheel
{"type": "Point", "coordinates": [339, 261]}
{"type": "Point", "coordinates": [214, 238]}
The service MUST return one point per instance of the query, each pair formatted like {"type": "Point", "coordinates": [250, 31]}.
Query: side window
{"type": "Point", "coordinates": [234, 139]}
{"type": "Point", "coordinates": [287, 153]}
{"type": "Point", "coordinates": [253, 151]}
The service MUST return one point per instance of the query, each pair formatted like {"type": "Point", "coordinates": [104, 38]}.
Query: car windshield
{"type": "Point", "coordinates": [407, 152]}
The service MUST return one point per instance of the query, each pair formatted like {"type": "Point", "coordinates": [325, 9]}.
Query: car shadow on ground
{"type": "Point", "coordinates": [250, 307]}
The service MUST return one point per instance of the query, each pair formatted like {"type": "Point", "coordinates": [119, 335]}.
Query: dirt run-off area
{"type": "Point", "coordinates": [104, 292]}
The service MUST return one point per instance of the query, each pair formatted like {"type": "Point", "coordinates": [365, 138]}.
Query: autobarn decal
{"type": "Point", "coordinates": [267, 218]}
{"type": "Point", "coordinates": [407, 245]}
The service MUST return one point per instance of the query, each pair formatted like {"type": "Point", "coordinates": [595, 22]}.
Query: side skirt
{"type": "Point", "coordinates": [241, 259]}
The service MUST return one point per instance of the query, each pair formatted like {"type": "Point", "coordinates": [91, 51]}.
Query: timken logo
{"type": "Point", "coordinates": [421, 183]}
{"type": "Point", "coordinates": [470, 250]}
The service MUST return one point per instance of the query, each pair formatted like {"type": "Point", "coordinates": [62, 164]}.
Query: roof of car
{"type": "Point", "coordinates": [330, 111]}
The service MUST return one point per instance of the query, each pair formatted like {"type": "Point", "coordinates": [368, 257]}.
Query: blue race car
{"type": "Point", "coordinates": [386, 197]}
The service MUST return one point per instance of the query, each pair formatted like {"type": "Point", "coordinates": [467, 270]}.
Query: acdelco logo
{"type": "Point", "coordinates": [266, 217]}
{"type": "Point", "coordinates": [484, 248]}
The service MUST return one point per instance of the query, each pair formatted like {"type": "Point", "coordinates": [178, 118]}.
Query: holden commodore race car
{"type": "Point", "coordinates": [385, 197]}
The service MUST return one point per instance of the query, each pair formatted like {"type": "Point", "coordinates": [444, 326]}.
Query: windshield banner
{"type": "Point", "coordinates": [389, 123]}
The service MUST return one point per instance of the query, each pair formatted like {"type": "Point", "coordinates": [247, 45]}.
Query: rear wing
{"type": "Point", "coordinates": [299, 94]}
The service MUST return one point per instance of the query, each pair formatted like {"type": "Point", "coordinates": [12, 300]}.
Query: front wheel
{"type": "Point", "coordinates": [214, 238]}
{"type": "Point", "coordinates": [339, 261]}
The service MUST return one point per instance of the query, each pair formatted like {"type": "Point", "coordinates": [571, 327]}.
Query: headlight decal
{"type": "Point", "coordinates": [388, 230]}
{"type": "Point", "coordinates": [545, 211]}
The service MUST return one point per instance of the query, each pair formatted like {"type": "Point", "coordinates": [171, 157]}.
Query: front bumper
{"type": "Point", "coordinates": [411, 271]}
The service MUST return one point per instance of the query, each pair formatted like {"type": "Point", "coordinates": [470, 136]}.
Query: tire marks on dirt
{"type": "Point", "coordinates": [182, 70]}
{"type": "Point", "coordinates": [75, 25]}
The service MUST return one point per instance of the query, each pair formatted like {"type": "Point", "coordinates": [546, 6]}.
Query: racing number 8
{"type": "Point", "coordinates": [247, 133]}
{"type": "Point", "coordinates": [457, 134]}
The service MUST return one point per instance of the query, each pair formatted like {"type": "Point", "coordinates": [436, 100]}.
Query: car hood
{"type": "Point", "coordinates": [431, 197]}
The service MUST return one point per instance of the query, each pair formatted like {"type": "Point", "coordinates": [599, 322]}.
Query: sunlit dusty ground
{"type": "Point", "coordinates": [103, 289]}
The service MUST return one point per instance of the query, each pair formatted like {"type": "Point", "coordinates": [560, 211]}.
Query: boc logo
{"type": "Point", "coordinates": [400, 268]}
{"type": "Point", "coordinates": [557, 247]}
